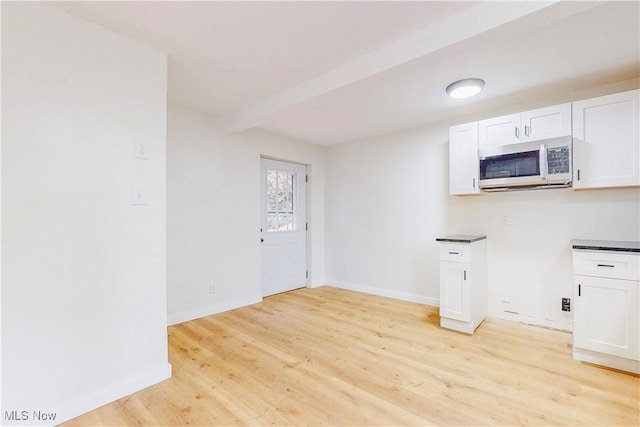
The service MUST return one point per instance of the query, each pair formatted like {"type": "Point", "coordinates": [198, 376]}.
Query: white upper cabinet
{"type": "Point", "coordinates": [501, 130]}
{"type": "Point", "coordinates": [548, 122]}
{"type": "Point", "coordinates": [605, 141]}
{"type": "Point", "coordinates": [542, 123]}
{"type": "Point", "coordinates": [463, 159]}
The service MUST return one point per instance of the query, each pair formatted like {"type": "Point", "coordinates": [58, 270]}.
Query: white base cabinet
{"type": "Point", "coordinates": [463, 284]}
{"type": "Point", "coordinates": [606, 309]}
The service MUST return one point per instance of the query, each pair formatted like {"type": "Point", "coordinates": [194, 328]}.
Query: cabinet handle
{"type": "Point", "coordinates": [465, 274]}
{"type": "Point", "coordinates": [454, 253]}
{"type": "Point", "coordinates": [517, 133]}
{"type": "Point", "coordinates": [474, 183]}
{"type": "Point", "coordinates": [606, 265]}
{"type": "Point", "coordinates": [526, 130]}
{"type": "Point", "coordinates": [579, 290]}
{"type": "Point", "coordinates": [578, 174]}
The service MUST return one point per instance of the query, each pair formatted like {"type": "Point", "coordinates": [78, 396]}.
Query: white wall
{"type": "Point", "coordinates": [213, 211]}
{"type": "Point", "coordinates": [83, 271]}
{"type": "Point", "coordinates": [390, 196]}
{"type": "Point", "coordinates": [0, 221]}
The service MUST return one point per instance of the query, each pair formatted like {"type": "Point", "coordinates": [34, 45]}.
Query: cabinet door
{"type": "Point", "coordinates": [606, 316]}
{"type": "Point", "coordinates": [464, 166]}
{"type": "Point", "coordinates": [548, 122]}
{"type": "Point", "coordinates": [455, 298]}
{"type": "Point", "coordinates": [605, 141]}
{"type": "Point", "coordinates": [500, 131]}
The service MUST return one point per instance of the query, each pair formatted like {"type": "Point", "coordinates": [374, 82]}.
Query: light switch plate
{"type": "Point", "coordinates": [138, 196]}
{"type": "Point", "coordinates": [142, 150]}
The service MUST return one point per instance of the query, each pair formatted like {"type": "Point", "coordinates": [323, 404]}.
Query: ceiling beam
{"type": "Point", "coordinates": [471, 22]}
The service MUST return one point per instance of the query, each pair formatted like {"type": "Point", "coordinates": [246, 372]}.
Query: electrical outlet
{"type": "Point", "coordinates": [566, 304]}
{"type": "Point", "coordinates": [138, 196]}
{"type": "Point", "coordinates": [506, 296]}
{"type": "Point", "coordinates": [212, 289]}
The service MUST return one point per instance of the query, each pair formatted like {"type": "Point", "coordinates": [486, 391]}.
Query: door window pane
{"type": "Point", "coordinates": [281, 207]}
{"type": "Point", "coordinates": [272, 200]}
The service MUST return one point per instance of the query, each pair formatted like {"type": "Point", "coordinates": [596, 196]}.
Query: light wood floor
{"type": "Point", "coordinates": [331, 357]}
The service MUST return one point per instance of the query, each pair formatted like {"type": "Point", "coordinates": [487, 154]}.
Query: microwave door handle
{"type": "Point", "coordinates": [543, 162]}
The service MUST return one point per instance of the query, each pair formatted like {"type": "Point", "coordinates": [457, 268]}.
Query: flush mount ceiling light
{"type": "Point", "coordinates": [465, 88]}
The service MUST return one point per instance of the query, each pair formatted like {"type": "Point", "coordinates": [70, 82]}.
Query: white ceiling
{"type": "Point", "coordinates": [332, 72]}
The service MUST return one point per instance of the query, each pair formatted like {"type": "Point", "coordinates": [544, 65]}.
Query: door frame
{"type": "Point", "coordinates": [307, 215]}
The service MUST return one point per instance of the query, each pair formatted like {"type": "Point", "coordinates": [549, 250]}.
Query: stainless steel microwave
{"type": "Point", "coordinates": [538, 164]}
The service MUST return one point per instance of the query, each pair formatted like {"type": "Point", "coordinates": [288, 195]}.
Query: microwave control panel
{"type": "Point", "coordinates": [559, 160]}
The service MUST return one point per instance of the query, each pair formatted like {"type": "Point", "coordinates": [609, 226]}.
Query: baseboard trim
{"type": "Point", "coordinates": [208, 310]}
{"type": "Point", "coordinates": [531, 321]}
{"type": "Point", "coordinates": [404, 296]}
{"type": "Point", "coordinates": [98, 398]}
{"type": "Point", "coordinates": [315, 284]}
{"type": "Point", "coordinates": [607, 360]}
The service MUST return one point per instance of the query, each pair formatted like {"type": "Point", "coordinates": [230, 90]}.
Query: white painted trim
{"type": "Point", "coordinates": [315, 284]}
{"type": "Point", "coordinates": [481, 18]}
{"type": "Point", "coordinates": [116, 391]}
{"type": "Point", "coordinates": [208, 310]}
{"type": "Point", "coordinates": [404, 296]}
{"type": "Point", "coordinates": [531, 321]}
{"type": "Point", "coordinates": [602, 359]}
{"type": "Point", "coordinates": [435, 302]}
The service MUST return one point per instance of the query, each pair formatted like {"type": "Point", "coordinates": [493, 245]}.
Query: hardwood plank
{"type": "Point", "coordinates": [328, 357]}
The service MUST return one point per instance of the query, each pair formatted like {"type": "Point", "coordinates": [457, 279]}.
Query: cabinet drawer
{"type": "Point", "coordinates": [455, 252]}
{"type": "Point", "coordinates": [606, 264]}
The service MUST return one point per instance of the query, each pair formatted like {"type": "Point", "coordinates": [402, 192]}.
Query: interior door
{"type": "Point", "coordinates": [283, 227]}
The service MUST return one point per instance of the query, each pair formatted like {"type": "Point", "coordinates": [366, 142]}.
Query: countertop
{"type": "Point", "coordinates": [461, 238]}
{"type": "Point", "coordinates": [606, 245]}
